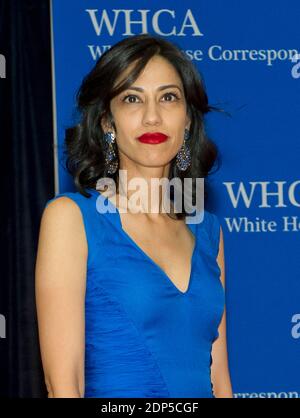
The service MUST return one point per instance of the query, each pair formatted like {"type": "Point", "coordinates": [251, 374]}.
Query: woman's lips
{"type": "Point", "coordinates": [153, 138]}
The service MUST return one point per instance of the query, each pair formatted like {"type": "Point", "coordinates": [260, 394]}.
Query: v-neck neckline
{"type": "Point", "coordinates": [192, 228]}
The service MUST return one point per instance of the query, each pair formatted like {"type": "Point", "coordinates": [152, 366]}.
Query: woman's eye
{"type": "Point", "coordinates": [171, 95]}
{"type": "Point", "coordinates": [130, 98]}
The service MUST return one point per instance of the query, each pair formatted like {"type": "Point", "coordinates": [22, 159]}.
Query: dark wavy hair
{"type": "Point", "coordinates": [84, 142]}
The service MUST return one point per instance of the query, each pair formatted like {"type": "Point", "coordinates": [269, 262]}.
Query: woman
{"type": "Point", "coordinates": [132, 304]}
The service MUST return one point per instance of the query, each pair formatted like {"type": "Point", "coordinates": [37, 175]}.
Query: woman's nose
{"type": "Point", "coordinates": [151, 114]}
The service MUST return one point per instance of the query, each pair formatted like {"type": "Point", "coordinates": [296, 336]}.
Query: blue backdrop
{"type": "Point", "coordinates": [246, 53]}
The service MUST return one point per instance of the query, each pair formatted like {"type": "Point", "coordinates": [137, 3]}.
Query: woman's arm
{"type": "Point", "coordinates": [60, 280]}
{"type": "Point", "coordinates": [220, 375]}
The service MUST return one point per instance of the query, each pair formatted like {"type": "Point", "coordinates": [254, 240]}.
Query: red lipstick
{"type": "Point", "coordinates": [153, 138]}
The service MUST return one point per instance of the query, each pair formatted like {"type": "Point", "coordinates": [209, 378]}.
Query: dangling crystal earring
{"type": "Point", "coordinates": [183, 158]}
{"type": "Point", "coordinates": [110, 155]}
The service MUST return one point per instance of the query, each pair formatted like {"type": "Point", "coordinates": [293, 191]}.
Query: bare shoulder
{"type": "Point", "coordinates": [62, 219]}
{"type": "Point", "coordinates": [61, 207]}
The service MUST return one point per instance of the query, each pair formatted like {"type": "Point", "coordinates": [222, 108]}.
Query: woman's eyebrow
{"type": "Point", "coordinates": [166, 86]}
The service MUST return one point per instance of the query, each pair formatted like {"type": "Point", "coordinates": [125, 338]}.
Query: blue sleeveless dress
{"type": "Point", "coordinates": [144, 337]}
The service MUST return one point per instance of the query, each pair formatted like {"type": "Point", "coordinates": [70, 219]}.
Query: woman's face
{"type": "Point", "coordinates": [154, 107]}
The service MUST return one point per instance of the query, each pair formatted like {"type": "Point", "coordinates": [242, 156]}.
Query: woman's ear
{"type": "Point", "coordinates": [188, 123]}
{"type": "Point", "coordinates": [104, 124]}
{"type": "Point", "coordinates": [188, 126]}
{"type": "Point", "coordinates": [107, 123]}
